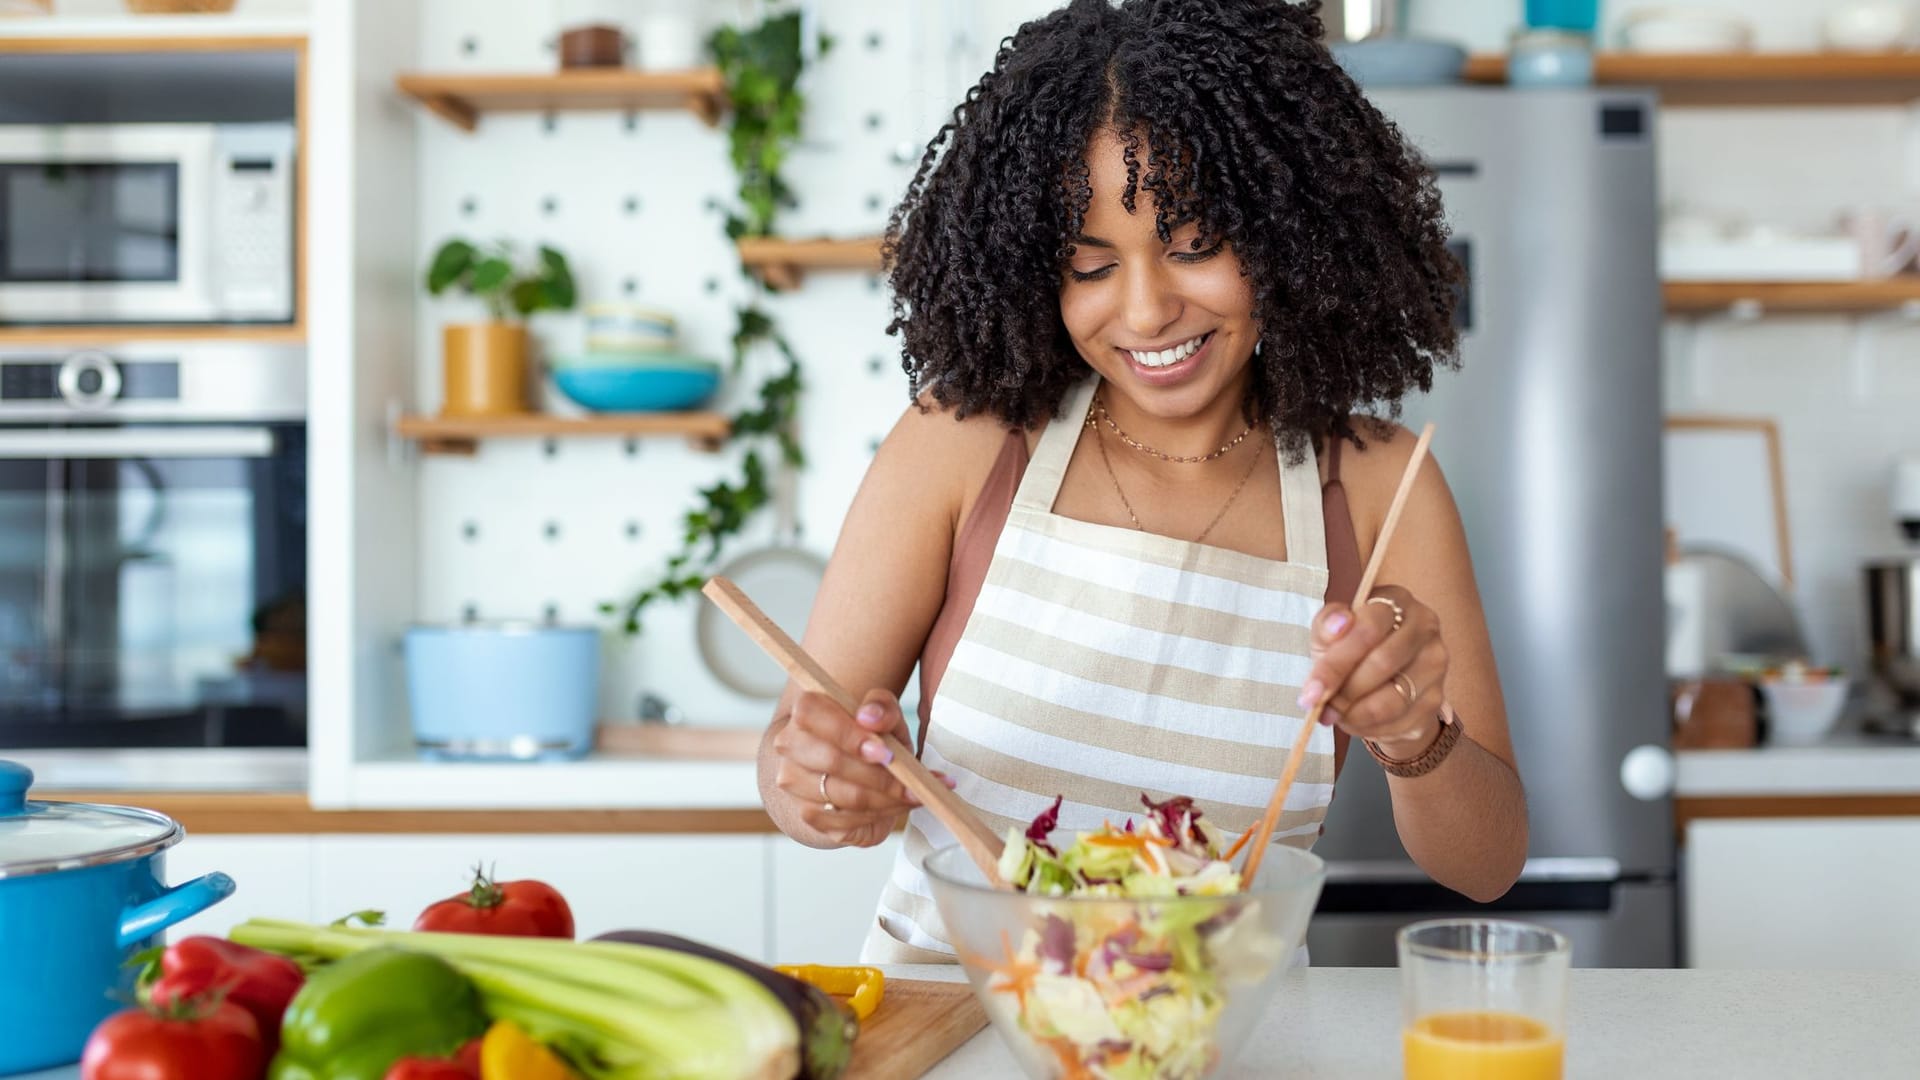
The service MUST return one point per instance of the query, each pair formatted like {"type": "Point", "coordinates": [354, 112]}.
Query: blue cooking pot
{"type": "Point", "coordinates": [81, 891]}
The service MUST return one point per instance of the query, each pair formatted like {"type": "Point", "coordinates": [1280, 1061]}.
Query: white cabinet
{"type": "Point", "coordinates": [1829, 893]}
{"type": "Point", "coordinates": [711, 888]}
{"type": "Point", "coordinates": [823, 900]}
{"type": "Point", "coordinates": [273, 877]}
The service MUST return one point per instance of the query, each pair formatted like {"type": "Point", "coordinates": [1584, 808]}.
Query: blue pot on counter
{"type": "Point", "coordinates": [82, 888]}
{"type": "Point", "coordinates": [503, 691]}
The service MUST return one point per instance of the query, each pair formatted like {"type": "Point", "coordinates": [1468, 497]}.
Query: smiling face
{"type": "Point", "coordinates": [1169, 327]}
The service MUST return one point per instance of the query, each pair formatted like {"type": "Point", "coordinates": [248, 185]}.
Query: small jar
{"type": "Point", "coordinates": [593, 33]}
{"type": "Point", "coordinates": [1547, 58]}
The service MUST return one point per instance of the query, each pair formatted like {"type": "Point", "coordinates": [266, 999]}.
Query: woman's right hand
{"type": "Point", "coordinates": [832, 769]}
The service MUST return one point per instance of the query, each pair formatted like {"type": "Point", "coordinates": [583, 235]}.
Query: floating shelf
{"type": "Point", "coordinates": [1810, 297]}
{"type": "Point", "coordinates": [149, 33]}
{"type": "Point", "coordinates": [461, 100]}
{"type": "Point", "coordinates": [782, 263]}
{"type": "Point", "coordinates": [1748, 78]}
{"type": "Point", "coordinates": [462, 435]}
{"type": "Point", "coordinates": [32, 336]}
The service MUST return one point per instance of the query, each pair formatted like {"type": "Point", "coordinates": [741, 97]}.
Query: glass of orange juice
{"type": "Point", "coordinates": [1483, 999]}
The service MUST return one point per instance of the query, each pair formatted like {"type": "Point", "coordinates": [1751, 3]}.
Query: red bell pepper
{"type": "Point", "coordinates": [260, 982]}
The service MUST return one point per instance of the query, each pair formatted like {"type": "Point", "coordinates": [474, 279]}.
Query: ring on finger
{"type": "Point", "coordinates": [823, 794]}
{"type": "Point", "coordinates": [1404, 683]}
{"type": "Point", "coordinates": [1399, 613]}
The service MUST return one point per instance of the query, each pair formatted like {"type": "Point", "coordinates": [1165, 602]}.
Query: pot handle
{"type": "Point", "coordinates": [175, 905]}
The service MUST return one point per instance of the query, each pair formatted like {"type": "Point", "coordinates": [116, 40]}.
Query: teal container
{"type": "Point", "coordinates": [1581, 15]}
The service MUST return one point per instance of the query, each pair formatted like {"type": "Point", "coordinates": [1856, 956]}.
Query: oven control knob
{"type": "Point", "coordinates": [89, 380]}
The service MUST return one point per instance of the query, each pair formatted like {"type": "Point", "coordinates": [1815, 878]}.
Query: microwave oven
{"type": "Point", "coordinates": [147, 223]}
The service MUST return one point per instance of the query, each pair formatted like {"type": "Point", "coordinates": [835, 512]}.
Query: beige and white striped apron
{"type": "Point", "coordinates": [1102, 662]}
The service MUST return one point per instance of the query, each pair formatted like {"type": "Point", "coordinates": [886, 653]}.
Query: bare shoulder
{"type": "Point", "coordinates": [933, 459]}
{"type": "Point", "coordinates": [1371, 474]}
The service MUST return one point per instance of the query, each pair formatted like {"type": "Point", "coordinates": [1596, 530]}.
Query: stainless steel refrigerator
{"type": "Point", "coordinates": [1550, 439]}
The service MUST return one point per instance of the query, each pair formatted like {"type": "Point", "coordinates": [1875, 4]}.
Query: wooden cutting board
{"type": "Point", "coordinates": [917, 1025]}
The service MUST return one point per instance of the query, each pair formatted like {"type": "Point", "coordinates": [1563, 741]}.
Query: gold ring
{"type": "Point", "coordinates": [1399, 613]}
{"type": "Point", "coordinates": [823, 793]}
{"type": "Point", "coordinates": [1405, 684]}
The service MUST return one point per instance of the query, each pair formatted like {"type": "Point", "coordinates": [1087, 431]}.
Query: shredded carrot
{"type": "Point", "coordinates": [1019, 974]}
{"type": "Point", "coordinates": [1069, 1059]}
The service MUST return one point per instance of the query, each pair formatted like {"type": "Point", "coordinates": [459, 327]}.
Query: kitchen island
{"type": "Point", "coordinates": [1344, 1023]}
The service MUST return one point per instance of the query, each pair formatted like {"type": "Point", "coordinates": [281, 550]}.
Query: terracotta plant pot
{"type": "Point", "coordinates": [485, 369]}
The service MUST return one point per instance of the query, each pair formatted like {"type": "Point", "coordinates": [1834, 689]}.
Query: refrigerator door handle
{"type": "Point", "coordinates": [1545, 885]}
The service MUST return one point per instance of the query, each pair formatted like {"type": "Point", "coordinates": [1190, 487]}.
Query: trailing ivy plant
{"type": "Point", "coordinates": [761, 66]}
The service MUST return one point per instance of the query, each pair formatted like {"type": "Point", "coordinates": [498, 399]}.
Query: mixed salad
{"type": "Point", "coordinates": [1129, 991]}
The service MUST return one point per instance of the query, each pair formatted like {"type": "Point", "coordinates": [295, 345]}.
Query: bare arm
{"type": "Point", "coordinates": [882, 591]}
{"type": "Point", "coordinates": [1464, 823]}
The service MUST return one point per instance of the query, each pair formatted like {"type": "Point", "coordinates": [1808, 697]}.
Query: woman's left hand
{"type": "Point", "coordinates": [1388, 680]}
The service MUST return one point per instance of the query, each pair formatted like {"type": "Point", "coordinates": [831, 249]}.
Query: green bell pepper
{"type": "Point", "coordinates": [358, 1015]}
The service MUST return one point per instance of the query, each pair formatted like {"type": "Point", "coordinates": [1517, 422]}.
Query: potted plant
{"type": "Point", "coordinates": [485, 363]}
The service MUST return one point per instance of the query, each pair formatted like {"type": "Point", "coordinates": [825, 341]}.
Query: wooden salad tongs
{"type": "Point", "coordinates": [974, 835]}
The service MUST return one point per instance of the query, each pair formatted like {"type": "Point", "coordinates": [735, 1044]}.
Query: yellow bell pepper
{"type": "Point", "coordinates": [508, 1053]}
{"type": "Point", "coordinates": [863, 987]}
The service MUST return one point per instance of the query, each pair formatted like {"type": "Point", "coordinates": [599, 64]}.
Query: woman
{"type": "Point", "coordinates": [1145, 278]}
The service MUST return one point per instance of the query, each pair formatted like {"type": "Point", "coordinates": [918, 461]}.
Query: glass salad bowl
{"type": "Point", "coordinates": [1126, 988]}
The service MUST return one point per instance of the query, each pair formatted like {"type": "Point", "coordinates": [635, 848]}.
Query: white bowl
{"type": "Point", "coordinates": [1685, 30]}
{"type": "Point", "coordinates": [1800, 713]}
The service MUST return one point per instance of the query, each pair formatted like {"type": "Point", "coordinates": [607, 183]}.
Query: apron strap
{"type": "Point", "coordinates": [1041, 484]}
{"type": "Point", "coordinates": [1302, 510]}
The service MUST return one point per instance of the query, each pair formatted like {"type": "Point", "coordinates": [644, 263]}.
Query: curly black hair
{"type": "Point", "coordinates": [1249, 126]}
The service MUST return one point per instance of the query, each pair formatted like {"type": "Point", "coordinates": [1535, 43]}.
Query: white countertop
{"type": "Point", "coordinates": [1842, 765]}
{"type": "Point", "coordinates": [1646, 1025]}
{"type": "Point", "coordinates": [1344, 1023]}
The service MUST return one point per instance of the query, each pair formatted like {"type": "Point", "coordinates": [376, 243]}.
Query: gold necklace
{"type": "Point", "coordinates": [1135, 518]}
{"type": "Point", "coordinates": [1101, 408]}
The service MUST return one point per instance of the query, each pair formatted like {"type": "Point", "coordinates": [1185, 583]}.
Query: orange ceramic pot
{"type": "Point", "coordinates": [485, 369]}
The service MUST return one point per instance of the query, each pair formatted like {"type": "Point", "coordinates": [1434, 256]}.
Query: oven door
{"type": "Point", "coordinates": [106, 223]}
{"type": "Point", "coordinates": [152, 586]}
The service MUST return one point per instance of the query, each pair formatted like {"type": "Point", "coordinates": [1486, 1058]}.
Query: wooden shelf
{"type": "Point", "coordinates": [781, 263]}
{"type": "Point", "coordinates": [31, 336]}
{"type": "Point", "coordinates": [149, 33]}
{"type": "Point", "coordinates": [461, 100]}
{"type": "Point", "coordinates": [1811, 297]}
{"type": "Point", "coordinates": [462, 435]}
{"type": "Point", "coordinates": [1748, 78]}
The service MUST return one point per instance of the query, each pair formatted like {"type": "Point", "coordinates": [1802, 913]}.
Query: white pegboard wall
{"type": "Point", "coordinates": [527, 529]}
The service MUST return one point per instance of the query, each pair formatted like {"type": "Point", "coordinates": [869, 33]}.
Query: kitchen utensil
{"type": "Point", "coordinates": [917, 1025]}
{"type": "Point", "coordinates": [1483, 997]}
{"type": "Point", "coordinates": [1723, 616]}
{"type": "Point", "coordinates": [1868, 26]}
{"type": "Point", "coordinates": [1801, 711]}
{"type": "Point", "coordinates": [660, 387]}
{"type": "Point", "coordinates": [1546, 57]}
{"type": "Point", "coordinates": [1714, 714]}
{"type": "Point", "coordinates": [1685, 30]}
{"type": "Point", "coordinates": [81, 891]}
{"type": "Point", "coordinates": [624, 328]}
{"type": "Point", "coordinates": [979, 841]}
{"type": "Point", "coordinates": [1250, 940]}
{"type": "Point", "coordinates": [1887, 244]}
{"type": "Point", "coordinates": [1256, 851]}
{"type": "Point", "coordinates": [1893, 630]}
{"type": "Point", "coordinates": [784, 578]}
{"type": "Point", "coordinates": [1906, 497]}
{"type": "Point", "coordinates": [505, 691]}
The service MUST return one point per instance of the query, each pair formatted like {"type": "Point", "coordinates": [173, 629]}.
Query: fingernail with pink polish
{"type": "Point", "coordinates": [1337, 624]}
{"type": "Point", "coordinates": [1330, 717]}
{"type": "Point", "coordinates": [876, 753]}
{"type": "Point", "coordinates": [869, 715]}
{"type": "Point", "coordinates": [1310, 693]}
{"type": "Point", "coordinates": [950, 782]}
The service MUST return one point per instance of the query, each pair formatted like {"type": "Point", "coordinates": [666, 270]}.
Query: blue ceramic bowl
{"type": "Point", "coordinates": [1401, 61]}
{"type": "Point", "coordinates": [503, 691]}
{"type": "Point", "coordinates": [638, 389]}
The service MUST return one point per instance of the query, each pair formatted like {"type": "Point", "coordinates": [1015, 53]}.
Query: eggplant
{"type": "Point", "coordinates": [827, 1028]}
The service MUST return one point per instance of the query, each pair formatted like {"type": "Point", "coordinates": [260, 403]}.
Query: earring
{"type": "Point", "coordinates": [1257, 346]}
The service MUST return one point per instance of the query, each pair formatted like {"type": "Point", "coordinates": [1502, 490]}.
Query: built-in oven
{"type": "Point", "coordinates": [139, 223]}
{"type": "Point", "coordinates": [153, 531]}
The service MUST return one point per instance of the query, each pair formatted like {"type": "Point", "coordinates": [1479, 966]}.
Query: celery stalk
{"type": "Point", "coordinates": [635, 1012]}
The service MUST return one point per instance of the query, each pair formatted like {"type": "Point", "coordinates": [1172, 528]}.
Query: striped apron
{"type": "Point", "coordinates": [1100, 663]}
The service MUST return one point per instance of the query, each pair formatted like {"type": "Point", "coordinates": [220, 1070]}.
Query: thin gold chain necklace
{"type": "Point", "coordinates": [1100, 407]}
{"type": "Point", "coordinates": [1135, 518]}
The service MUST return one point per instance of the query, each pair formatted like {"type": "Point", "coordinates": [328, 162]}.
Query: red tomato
{"type": "Point", "coordinates": [464, 1065]}
{"type": "Point", "coordinates": [198, 1040]}
{"type": "Point", "coordinates": [511, 908]}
